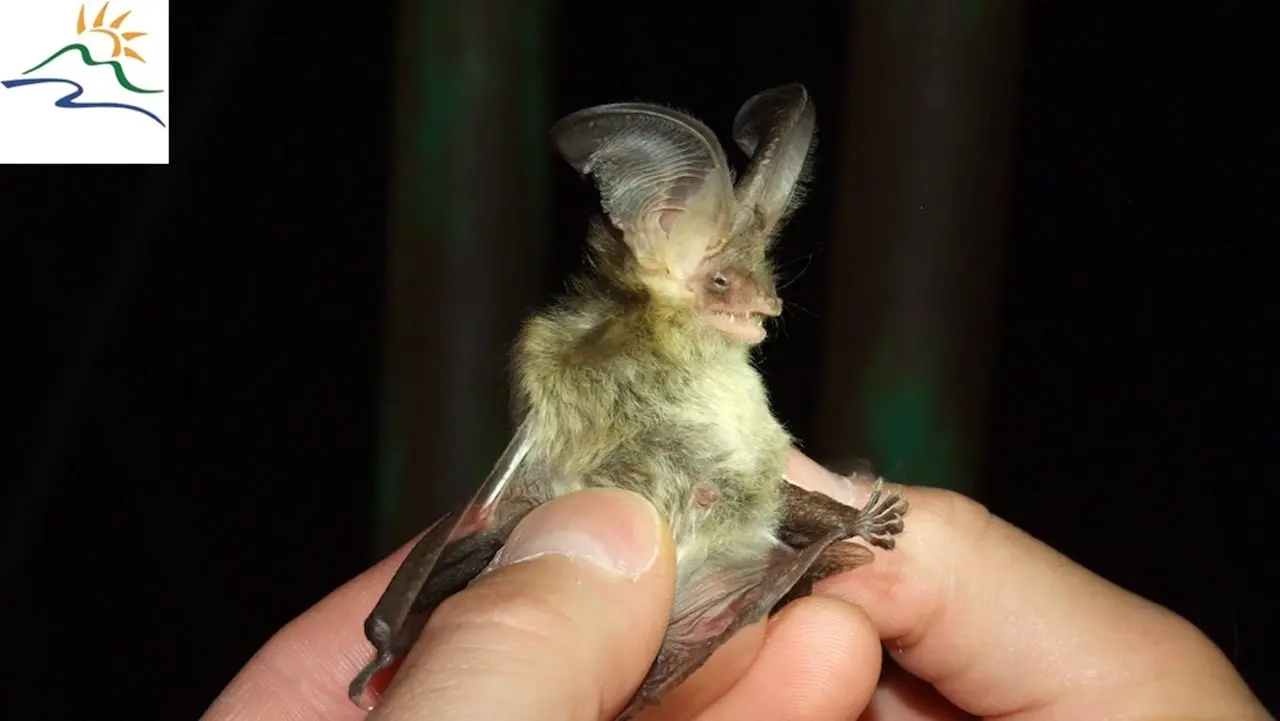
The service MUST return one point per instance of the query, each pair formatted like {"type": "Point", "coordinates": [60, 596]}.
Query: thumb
{"type": "Point", "coordinates": [564, 628]}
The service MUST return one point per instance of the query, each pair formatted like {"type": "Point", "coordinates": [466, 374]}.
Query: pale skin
{"type": "Point", "coordinates": [985, 622]}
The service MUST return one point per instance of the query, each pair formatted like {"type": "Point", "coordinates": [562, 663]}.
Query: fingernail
{"type": "Point", "coordinates": [851, 489]}
{"type": "Point", "coordinates": [616, 531]}
{"type": "Point", "coordinates": [842, 489]}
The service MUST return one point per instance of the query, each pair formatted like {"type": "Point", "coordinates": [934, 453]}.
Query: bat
{"type": "Point", "coordinates": [641, 378]}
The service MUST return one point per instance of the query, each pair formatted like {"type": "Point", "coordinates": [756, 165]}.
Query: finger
{"type": "Point", "coordinates": [564, 629]}
{"type": "Point", "coordinates": [712, 681]}
{"type": "Point", "coordinates": [730, 662]}
{"type": "Point", "coordinates": [1001, 624]}
{"type": "Point", "coordinates": [903, 697]}
{"type": "Point", "coordinates": [820, 661]}
{"type": "Point", "coordinates": [304, 669]}
{"type": "Point", "coordinates": [807, 474]}
{"type": "Point", "coordinates": [799, 664]}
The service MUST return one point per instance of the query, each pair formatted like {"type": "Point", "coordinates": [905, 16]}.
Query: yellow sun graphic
{"type": "Point", "coordinates": [120, 40]}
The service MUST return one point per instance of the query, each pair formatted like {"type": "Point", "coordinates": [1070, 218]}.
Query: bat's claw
{"type": "Point", "coordinates": [881, 517]}
{"type": "Point", "coordinates": [366, 698]}
{"type": "Point", "coordinates": [359, 691]}
{"type": "Point", "coordinates": [638, 703]}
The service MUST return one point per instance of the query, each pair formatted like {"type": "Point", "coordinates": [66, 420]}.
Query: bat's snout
{"type": "Point", "coordinates": [771, 307]}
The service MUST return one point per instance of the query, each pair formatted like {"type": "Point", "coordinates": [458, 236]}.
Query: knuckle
{"type": "Point", "coordinates": [962, 525]}
{"type": "Point", "coordinates": [968, 519]}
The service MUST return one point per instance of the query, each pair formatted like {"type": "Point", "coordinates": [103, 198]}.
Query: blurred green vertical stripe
{"type": "Point", "coordinates": [914, 276]}
{"type": "Point", "coordinates": [467, 219]}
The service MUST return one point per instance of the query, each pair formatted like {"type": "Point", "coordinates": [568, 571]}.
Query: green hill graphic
{"type": "Point", "coordinates": [88, 60]}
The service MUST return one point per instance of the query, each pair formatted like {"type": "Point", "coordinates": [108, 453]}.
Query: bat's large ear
{"type": "Point", "coordinates": [775, 128]}
{"type": "Point", "coordinates": [663, 179]}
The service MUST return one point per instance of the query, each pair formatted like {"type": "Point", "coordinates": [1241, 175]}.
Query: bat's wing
{"type": "Point", "coordinates": [450, 555]}
{"type": "Point", "coordinates": [714, 604]}
{"type": "Point", "coordinates": [722, 597]}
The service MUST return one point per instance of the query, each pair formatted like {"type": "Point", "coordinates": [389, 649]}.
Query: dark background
{"type": "Point", "coordinates": [207, 472]}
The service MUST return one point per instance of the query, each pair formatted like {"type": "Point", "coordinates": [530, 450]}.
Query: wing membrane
{"type": "Point", "coordinates": [451, 553]}
{"type": "Point", "coordinates": [715, 604]}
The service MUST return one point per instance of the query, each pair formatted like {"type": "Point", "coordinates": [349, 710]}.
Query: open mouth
{"type": "Point", "coordinates": [745, 327]}
{"type": "Point", "coordinates": [753, 318]}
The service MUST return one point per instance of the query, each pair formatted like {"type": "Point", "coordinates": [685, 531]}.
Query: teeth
{"type": "Point", "coordinates": [742, 317]}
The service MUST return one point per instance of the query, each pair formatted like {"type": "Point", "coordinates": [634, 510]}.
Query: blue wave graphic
{"type": "Point", "coordinates": [69, 100]}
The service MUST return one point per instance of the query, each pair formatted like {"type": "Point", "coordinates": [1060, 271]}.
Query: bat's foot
{"type": "Point", "coordinates": [809, 516]}
{"type": "Point", "coordinates": [881, 518]}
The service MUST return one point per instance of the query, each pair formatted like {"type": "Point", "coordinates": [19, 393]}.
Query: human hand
{"type": "Point", "coordinates": [557, 637]}
{"type": "Point", "coordinates": [985, 621]}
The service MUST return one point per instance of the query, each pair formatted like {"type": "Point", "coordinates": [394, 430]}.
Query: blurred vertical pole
{"type": "Point", "coordinates": [915, 266]}
{"type": "Point", "coordinates": [466, 235]}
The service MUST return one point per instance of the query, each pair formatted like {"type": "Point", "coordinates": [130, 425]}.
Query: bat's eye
{"type": "Point", "coordinates": [720, 282]}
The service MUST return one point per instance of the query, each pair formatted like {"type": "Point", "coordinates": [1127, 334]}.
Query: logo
{"type": "Point", "coordinates": [109, 65]}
